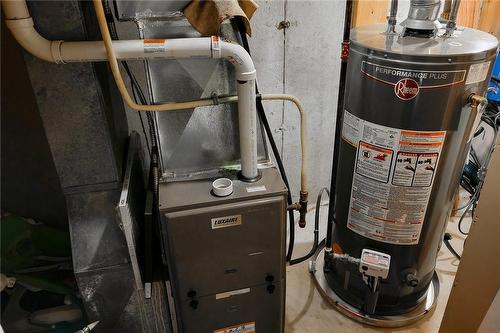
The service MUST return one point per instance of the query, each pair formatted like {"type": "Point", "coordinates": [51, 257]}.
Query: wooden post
{"type": "Point", "coordinates": [369, 12]}
{"type": "Point", "coordinates": [469, 13]}
{"type": "Point", "coordinates": [489, 20]}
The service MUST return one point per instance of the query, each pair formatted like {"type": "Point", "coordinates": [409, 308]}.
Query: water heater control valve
{"type": "Point", "coordinates": [374, 263]}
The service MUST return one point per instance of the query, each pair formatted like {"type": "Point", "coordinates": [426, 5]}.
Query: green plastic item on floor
{"type": "Point", "coordinates": [39, 258]}
{"type": "Point", "coordinates": [26, 244]}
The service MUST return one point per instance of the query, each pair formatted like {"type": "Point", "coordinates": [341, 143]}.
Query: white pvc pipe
{"type": "Point", "coordinates": [248, 128]}
{"type": "Point", "coordinates": [303, 132]}
{"type": "Point", "coordinates": [136, 50]}
{"type": "Point", "coordinates": [20, 24]}
{"type": "Point", "coordinates": [241, 60]}
{"type": "Point", "coordinates": [29, 38]}
{"type": "Point", "coordinates": [15, 9]}
{"type": "Point", "coordinates": [90, 51]}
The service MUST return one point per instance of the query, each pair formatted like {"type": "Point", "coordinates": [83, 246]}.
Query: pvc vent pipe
{"type": "Point", "coordinates": [20, 23]}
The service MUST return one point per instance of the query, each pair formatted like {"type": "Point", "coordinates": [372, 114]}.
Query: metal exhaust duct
{"type": "Point", "coordinates": [422, 17]}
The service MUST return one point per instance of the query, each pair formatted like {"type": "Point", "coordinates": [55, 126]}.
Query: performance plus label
{"type": "Point", "coordinates": [408, 83]}
{"type": "Point", "coordinates": [392, 179]}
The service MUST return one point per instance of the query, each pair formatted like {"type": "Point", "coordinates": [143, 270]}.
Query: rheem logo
{"type": "Point", "coordinates": [406, 89]}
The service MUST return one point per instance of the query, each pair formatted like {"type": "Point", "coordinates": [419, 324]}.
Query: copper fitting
{"type": "Point", "coordinates": [476, 100]}
{"type": "Point", "coordinates": [303, 208]}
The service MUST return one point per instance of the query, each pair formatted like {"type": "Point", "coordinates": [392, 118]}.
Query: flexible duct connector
{"type": "Point", "coordinates": [422, 18]}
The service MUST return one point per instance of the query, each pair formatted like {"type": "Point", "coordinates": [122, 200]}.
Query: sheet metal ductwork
{"type": "Point", "coordinates": [422, 15]}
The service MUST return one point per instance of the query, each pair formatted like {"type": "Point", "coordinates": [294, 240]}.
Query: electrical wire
{"type": "Point", "coordinates": [274, 148]}
{"type": "Point", "coordinates": [138, 94]}
{"type": "Point", "coordinates": [462, 219]}
{"type": "Point", "coordinates": [491, 117]}
{"type": "Point", "coordinates": [136, 88]}
{"type": "Point", "coordinates": [446, 241]}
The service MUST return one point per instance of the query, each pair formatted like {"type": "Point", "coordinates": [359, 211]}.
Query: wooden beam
{"type": "Point", "coordinates": [369, 12]}
{"type": "Point", "coordinates": [489, 20]}
{"type": "Point", "coordinates": [469, 13]}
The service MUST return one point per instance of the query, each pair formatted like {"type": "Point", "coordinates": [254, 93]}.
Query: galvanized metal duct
{"type": "Point", "coordinates": [422, 16]}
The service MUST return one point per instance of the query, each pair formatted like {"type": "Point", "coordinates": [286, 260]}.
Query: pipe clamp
{"type": "Point", "coordinates": [55, 51]}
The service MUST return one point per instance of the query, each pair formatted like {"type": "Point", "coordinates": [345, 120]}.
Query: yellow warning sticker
{"type": "Point", "coordinates": [240, 328]}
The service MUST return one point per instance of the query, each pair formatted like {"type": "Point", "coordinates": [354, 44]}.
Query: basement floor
{"type": "Point", "coordinates": [308, 312]}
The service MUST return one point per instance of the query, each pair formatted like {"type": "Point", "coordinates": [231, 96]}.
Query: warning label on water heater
{"type": "Point", "coordinates": [392, 179]}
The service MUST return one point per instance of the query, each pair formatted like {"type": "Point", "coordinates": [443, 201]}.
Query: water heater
{"type": "Point", "coordinates": [411, 103]}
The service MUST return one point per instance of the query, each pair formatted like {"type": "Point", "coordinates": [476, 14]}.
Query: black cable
{"type": "Point", "coordinates": [474, 156]}
{"type": "Point", "coordinates": [316, 230]}
{"type": "Point", "coordinates": [138, 93]}
{"type": "Point", "coordinates": [462, 218]}
{"type": "Point", "coordinates": [339, 119]}
{"type": "Point", "coordinates": [274, 148]}
{"type": "Point", "coordinates": [446, 241]}
{"type": "Point", "coordinates": [133, 80]}
{"type": "Point", "coordinates": [479, 131]}
{"type": "Point", "coordinates": [466, 186]}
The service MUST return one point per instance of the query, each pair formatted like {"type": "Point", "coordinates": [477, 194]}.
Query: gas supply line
{"type": "Point", "coordinates": [21, 25]}
{"type": "Point", "coordinates": [301, 205]}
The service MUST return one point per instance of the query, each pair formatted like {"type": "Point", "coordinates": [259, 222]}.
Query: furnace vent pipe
{"type": "Point", "coordinates": [20, 23]}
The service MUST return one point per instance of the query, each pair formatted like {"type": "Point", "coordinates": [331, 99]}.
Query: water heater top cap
{"type": "Point", "coordinates": [222, 187]}
{"type": "Point", "coordinates": [464, 42]}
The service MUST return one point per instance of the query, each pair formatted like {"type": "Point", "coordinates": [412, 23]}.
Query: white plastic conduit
{"type": "Point", "coordinates": [20, 23]}
{"type": "Point", "coordinates": [303, 133]}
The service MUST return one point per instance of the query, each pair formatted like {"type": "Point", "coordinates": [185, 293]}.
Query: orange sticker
{"type": "Point", "coordinates": [154, 41]}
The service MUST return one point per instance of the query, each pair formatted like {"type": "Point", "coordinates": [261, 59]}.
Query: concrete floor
{"type": "Point", "coordinates": [308, 312]}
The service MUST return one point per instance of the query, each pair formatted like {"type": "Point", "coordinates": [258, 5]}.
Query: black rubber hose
{"type": "Point", "coordinates": [274, 148]}
{"type": "Point", "coordinates": [467, 209]}
{"type": "Point", "coordinates": [446, 241]}
{"type": "Point", "coordinates": [338, 122]}
{"type": "Point", "coordinates": [316, 229]}
{"type": "Point", "coordinates": [136, 89]}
